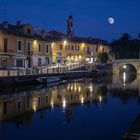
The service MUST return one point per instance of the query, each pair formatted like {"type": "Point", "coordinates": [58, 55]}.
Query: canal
{"type": "Point", "coordinates": [79, 109]}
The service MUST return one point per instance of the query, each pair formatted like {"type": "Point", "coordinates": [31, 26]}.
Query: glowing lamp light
{"type": "Point", "coordinates": [52, 44]}
{"type": "Point", "coordinates": [64, 103]}
{"type": "Point", "coordinates": [124, 77]}
{"type": "Point", "coordinates": [100, 98]}
{"type": "Point", "coordinates": [65, 42]}
{"type": "Point", "coordinates": [83, 44]}
{"type": "Point", "coordinates": [52, 104]}
{"type": "Point", "coordinates": [82, 100]}
{"type": "Point", "coordinates": [124, 66]}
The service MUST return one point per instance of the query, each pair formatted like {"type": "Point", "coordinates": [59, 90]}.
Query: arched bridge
{"type": "Point", "coordinates": [122, 63]}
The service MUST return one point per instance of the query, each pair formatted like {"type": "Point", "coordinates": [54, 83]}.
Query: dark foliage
{"type": "Point", "coordinates": [126, 47]}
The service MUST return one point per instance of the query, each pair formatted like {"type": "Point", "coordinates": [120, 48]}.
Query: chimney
{"type": "Point", "coordinates": [5, 24]}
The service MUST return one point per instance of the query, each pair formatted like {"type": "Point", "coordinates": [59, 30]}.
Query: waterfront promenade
{"type": "Point", "coordinates": [52, 69]}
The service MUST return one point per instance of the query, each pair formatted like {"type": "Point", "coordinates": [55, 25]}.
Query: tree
{"type": "Point", "coordinates": [102, 58]}
{"type": "Point", "coordinates": [138, 35]}
{"type": "Point", "coordinates": [125, 36]}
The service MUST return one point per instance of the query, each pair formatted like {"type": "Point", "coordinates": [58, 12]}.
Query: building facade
{"type": "Point", "coordinates": [21, 46]}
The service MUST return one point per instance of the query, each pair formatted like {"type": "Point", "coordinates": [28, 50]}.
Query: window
{"type": "Point", "coordinates": [103, 50]}
{"type": "Point", "coordinates": [88, 50]}
{"type": "Point", "coordinates": [39, 61]}
{"type": "Point", "coordinates": [5, 107]}
{"type": "Point", "coordinates": [78, 48]}
{"type": "Point", "coordinates": [19, 63]}
{"type": "Point", "coordinates": [46, 99]}
{"type": "Point", "coordinates": [72, 47]}
{"type": "Point", "coordinates": [61, 47]}
{"type": "Point", "coordinates": [66, 47]}
{"type": "Point", "coordinates": [40, 48]}
{"type": "Point", "coordinates": [97, 49]}
{"type": "Point", "coordinates": [47, 61]}
{"type": "Point", "coordinates": [39, 101]}
{"type": "Point", "coordinates": [29, 47]}
{"type": "Point", "coordinates": [19, 45]}
{"type": "Point", "coordinates": [28, 31]}
{"type": "Point", "coordinates": [18, 106]}
{"type": "Point", "coordinates": [5, 45]}
{"type": "Point", "coordinates": [47, 48]}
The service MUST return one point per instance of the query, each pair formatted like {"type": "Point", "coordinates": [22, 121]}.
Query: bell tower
{"type": "Point", "coordinates": [70, 27]}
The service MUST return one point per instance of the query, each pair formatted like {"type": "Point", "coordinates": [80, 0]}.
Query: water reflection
{"type": "Point", "coordinates": [16, 104]}
{"type": "Point", "coordinates": [127, 78]}
{"type": "Point", "coordinates": [20, 105]}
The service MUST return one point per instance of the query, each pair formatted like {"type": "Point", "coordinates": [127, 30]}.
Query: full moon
{"type": "Point", "coordinates": [111, 20]}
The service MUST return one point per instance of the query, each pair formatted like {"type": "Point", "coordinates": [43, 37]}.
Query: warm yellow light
{"type": "Point", "coordinates": [65, 42]}
{"type": "Point", "coordinates": [82, 100]}
{"type": "Point", "coordinates": [79, 89]}
{"type": "Point", "coordinates": [34, 104]}
{"type": "Point", "coordinates": [100, 98]}
{"type": "Point", "coordinates": [64, 103]}
{"type": "Point", "coordinates": [71, 87]}
{"type": "Point", "coordinates": [80, 56]}
{"type": "Point", "coordinates": [52, 104]}
{"type": "Point", "coordinates": [52, 44]}
{"type": "Point", "coordinates": [35, 41]}
{"type": "Point", "coordinates": [83, 44]}
{"type": "Point", "coordinates": [91, 88]}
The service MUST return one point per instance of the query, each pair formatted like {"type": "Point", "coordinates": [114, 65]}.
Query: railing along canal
{"type": "Point", "coordinates": [41, 70]}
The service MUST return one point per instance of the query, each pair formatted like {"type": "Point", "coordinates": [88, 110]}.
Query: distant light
{"type": "Point", "coordinates": [124, 77]}
{"type": "Point", "coordinates": [64, 103]}
{"type": "Point", "coordinates": [83, 44]}
{"type": "Point", "coordinates": [82, 100]}
{"type": "Point", "coordinates": [124, 66]}
{"type": "Point", "coordinates": [52, 104]}
{"type": "Point", "coordinates": [52, 44]}
{"type": "Point", "coordinates": [100, 98]}
{"type": "Point", "coordinates": [65, 42]}
{"type": "Point", "coordinates": [91, 88]}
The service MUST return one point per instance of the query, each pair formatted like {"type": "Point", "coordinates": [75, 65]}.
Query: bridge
{"type": "Point", "coordinates": [122, 63]}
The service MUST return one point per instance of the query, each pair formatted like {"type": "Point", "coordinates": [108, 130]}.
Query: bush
{"type": "Point", "coordinates": [102, 58]}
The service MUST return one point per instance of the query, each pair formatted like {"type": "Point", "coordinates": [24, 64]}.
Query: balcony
{"type": "Point", "coordinates": [6, 52]}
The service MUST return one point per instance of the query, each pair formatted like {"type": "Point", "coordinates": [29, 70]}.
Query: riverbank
{"type": "Point", "coordinates": [31, 79]}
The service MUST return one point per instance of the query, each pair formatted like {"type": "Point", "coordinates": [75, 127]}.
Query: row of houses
{"type": "Point", "coordinates": [21, 45]}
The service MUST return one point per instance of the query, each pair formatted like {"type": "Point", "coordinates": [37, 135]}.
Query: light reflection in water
{"type": "Point", "coordinates": [127, 77]}
{"type": "Point", "coordinates": [64, 103]}
{"type": "Point", "coordinates": [124, 77]}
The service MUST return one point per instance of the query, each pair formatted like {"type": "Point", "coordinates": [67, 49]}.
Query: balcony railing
{"type": "Point", "coordinates": [8, 51]}
{"type": "Point", "coordinates": [61, 68]}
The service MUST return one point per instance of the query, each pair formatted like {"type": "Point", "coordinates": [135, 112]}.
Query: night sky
{"type": "Point", "coordinates": [90, 16]}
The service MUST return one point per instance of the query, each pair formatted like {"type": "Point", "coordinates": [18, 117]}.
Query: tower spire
{"type": "Point", "coordinates": [70, 27]}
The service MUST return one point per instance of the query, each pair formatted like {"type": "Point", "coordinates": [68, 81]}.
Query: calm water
{"type": "Point", "coordinates": [81, 110]}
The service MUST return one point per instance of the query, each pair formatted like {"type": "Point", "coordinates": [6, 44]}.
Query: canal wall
{"type": "Point", "coordinates": [31, 79]}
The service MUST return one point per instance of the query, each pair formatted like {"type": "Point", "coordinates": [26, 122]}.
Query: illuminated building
{"type": "Point", "coordinates": [22, 46]}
